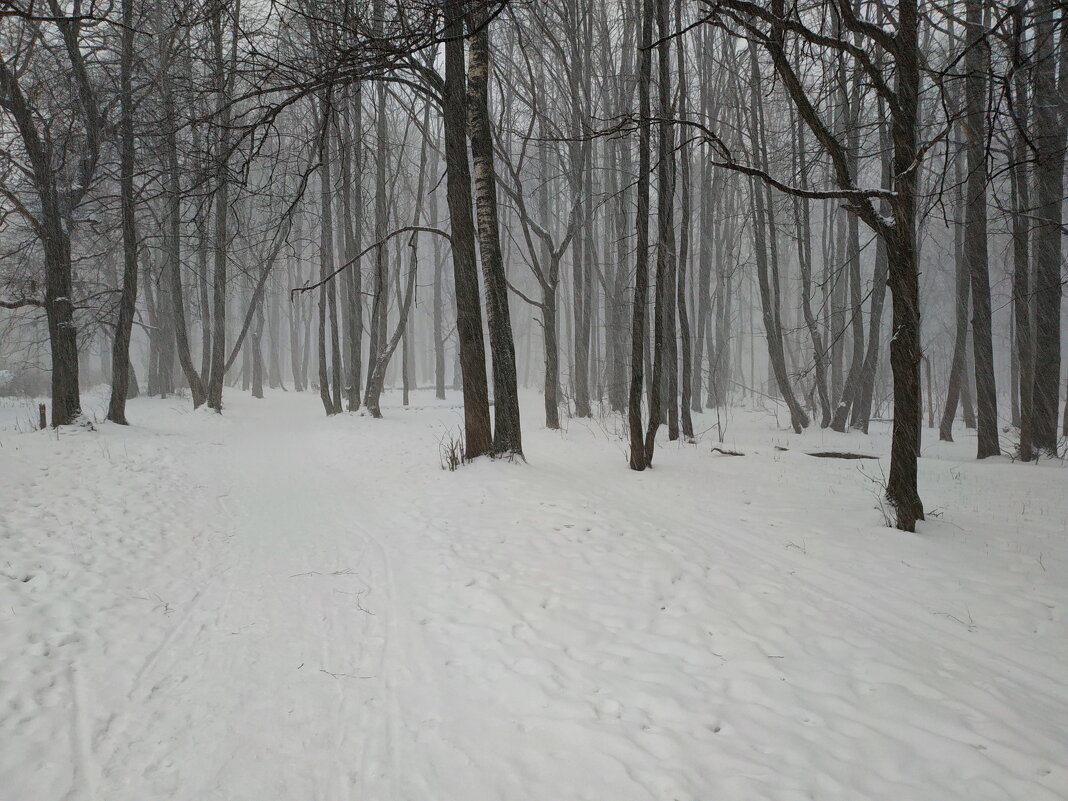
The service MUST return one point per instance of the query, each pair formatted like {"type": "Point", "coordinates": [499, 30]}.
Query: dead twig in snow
{"type": "Point", "coordinates": [343, 675]}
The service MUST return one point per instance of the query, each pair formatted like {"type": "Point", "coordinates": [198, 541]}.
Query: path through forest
{"type": "Point", "coordinates": [272, 605]}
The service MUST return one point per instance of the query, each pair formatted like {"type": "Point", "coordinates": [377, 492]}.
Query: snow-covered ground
{"type": "Point", "coordinates": [275, 606]}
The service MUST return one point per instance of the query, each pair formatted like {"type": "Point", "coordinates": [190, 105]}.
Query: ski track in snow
{"type": "Point", "coordinates": [273, 605]}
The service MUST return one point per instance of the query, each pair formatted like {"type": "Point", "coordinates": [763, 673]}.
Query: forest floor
{"type": "Point", "coordinates": [269, 605]}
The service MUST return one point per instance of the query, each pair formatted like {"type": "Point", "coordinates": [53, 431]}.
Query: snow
{"type": "Point", "coordinates": [275, 605]}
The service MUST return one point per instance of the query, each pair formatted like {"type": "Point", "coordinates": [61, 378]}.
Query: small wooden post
{"type": "Point", "coordinates": [44, 416]}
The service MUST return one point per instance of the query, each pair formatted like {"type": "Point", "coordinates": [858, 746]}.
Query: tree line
{"type": "Point", "coordinates": [640, 207]}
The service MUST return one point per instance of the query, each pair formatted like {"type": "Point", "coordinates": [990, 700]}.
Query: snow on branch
{"type": "Point", "coordinates": [20, 303]}
{"type": "Point", "coordinates": [729, 163]}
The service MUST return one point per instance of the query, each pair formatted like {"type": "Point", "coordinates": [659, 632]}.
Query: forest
{"type": "Point", "coordinates": [480, 349]}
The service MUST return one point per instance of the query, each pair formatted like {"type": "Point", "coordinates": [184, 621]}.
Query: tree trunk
{"type": "Point", "coordinates": [850, 102]}
{"type": "Point", "coordinates": [274, 345]}
{"type": "Point", "coordinates": [471, 345]}
{"type": "Point", "coordinates": [767, 279]}
{"type": "Point", "coordinates": [327, 297]}
{"type": "Point", "coordinates": [640, 456]}
{"type": "Point", "coordinates": [1050, 107]}
{"type": "Point", "coordinates": [120, 355]}
{"type": "Point", "coordinates": [957, 386]}
{"type": "Point", "coordinates": [507, 436]}
{"type": "Point", "coordinates": [256, 355]}
{"type": "Point", "coordinates": [975, 235]}
{"type": "Point", "coordinates": [439, 294]}
{"type": "Point", "coordinates": [377, 366]}
{"type": "Point", "coordinates": [804, 260]}
{"type": "Point", "coordinates": [55, 242]}
{"type": "Point", "coordinates": [439, 317]}
{"type": "Point", "coordinates": [665, 358]}
{"type": "Point", "coordinates": [326, 210]}
{"type": "Point", "coordinates": [664, 298]}
{"type": "Point", "coordinates": [324, 370]}
{"type": "Point", "coordinates": [905, 352]}
{"type": "Point", "coordinates": [296, 304]}
{"type": "Point", "coordinates": [686, 344]}
{"type": "Point", "coordinates": [172, 231]}
{"type": "Point", "coordinates": [221, 243]}
{"type": "Point", "coordinates": [862, 407]}
{"type": "Point", "coordinates": [352, 179]}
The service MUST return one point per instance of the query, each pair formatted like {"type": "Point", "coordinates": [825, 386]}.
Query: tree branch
{"type": "Point", "coordinates": [406, 229]}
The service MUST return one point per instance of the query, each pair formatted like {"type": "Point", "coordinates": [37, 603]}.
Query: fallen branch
{"type": "Point", "coordinates": [840, 455]}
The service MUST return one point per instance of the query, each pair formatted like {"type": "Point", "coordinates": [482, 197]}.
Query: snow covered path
{"type": "Point", "coordinates": [272, 605]}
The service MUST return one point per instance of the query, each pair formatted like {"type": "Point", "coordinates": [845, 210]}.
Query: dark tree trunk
{"type": "Point", "coordinates": [337, 373]}
{"type": "Point", "coordinates": [274, 345]}
{"type": "Point", "coordinates": [507, 436]}
{"type": "Point", "coordinates": [685, 340]}
{"type": "Point", "coordinates": [352, 179]}
{"type": "Point", "coordinates": [327, 296]}
{"type": "Point", "coordinates": [256, 355]}
{"type": "Point", "coordinates": [905, 352]}
{"type": "Point", "coordinates": [862, 407]}
{"type": "Point", "coordinates": [618, 376]}
{"type": "Point", "coordinates": [120, 355]}
{"type": "Point", "coordinates": [439, 323]}
{"type": "Point", "coordinates": [704, 283]}
{"type": "Point", "coordinates": [660, 290]}
{"type": "Point", "coordinates": [975, 236]}
{"type": "Point", "coordinates": [639, 454]}
{"type": "Point", "coordinates": [665, 355]}
{"type": "Point", "coordinates": [203, 281]}
{"type": "Point", "coordinates": [471, 345]}
{"type": "Point", "coordinates": [377, 367]}
{"type": "Point", "coordinates": [580, 154]}
{"type": "Point", "coordinates": [957, 386]}
{"type": "Point", "coordinates": [221, 243]}
{"type": "Point", "coordinates": [804, 260]}
{"type": "Point", "coordinates": [552, 358]}
{"type": "Point", "coordinates": [62, 332]}
{"type": "Point", "coordinates": [439, 301]}
{"type": "Point", "coordinates": [851, 111]}
{"type": "Point", "coordinates": [173, 245]}
{"type": "Point", "coordinates": [296, 304]}
{"type": "Point", "coordinates": [154, 333]}
{"type": "Point", "coordinates": [55, 242]}
{"type": "Point", "coordinates": [324, 370]}
{"type": "Point", "coordinates": [380, 298]}
{"type": "Point", "coordinates": [719, 349]}
{"type": "Point", "coordinates": [1050, 107]}
{"type": "Point", "coordinates": [767, 275]}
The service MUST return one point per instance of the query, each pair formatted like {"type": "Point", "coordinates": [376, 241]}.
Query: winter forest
{"type": "Point", "coordinates": [527, 399]}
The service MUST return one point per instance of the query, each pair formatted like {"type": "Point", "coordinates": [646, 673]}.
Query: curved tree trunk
{"type": "Point", "coordinates": [767, 278]}
{"type": "Point", "coordinates": [377, 367]}
{"type": "Point", "coordinates": [862, 406]}
{"type": "Point", "coordinates": [804, 260]}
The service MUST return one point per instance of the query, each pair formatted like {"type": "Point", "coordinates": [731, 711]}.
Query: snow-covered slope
{"type": "Point", "coordinates": [274, 605]}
